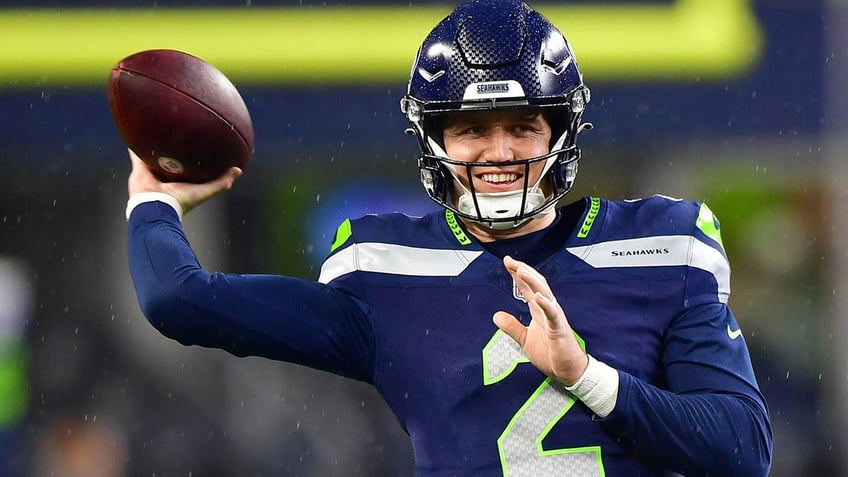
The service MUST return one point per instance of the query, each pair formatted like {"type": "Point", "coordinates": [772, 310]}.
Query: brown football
{"type": "Point", "coordinates": [181, 115]}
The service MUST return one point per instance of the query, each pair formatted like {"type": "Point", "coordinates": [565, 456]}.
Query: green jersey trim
{"type": "Point", "coordinates": [455, 228]}
{"type": "Point", "coordinates": [342, 234]}
{"type": "Point", "coordinates": [594, 208]}
{"type": "Point", "coordinates": [708, 223]}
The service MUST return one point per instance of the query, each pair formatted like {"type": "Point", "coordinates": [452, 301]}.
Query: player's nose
{"type": "Point", "coordinates": [500, 147]}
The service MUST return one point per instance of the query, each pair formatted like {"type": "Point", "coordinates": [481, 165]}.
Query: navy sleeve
{"type": "Point", "coordinates": [277, 317]}
{"type": "Point", "coordinates": [712, 419]}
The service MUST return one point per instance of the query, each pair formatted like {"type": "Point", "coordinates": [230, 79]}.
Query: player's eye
{"type": "Point", "coordinates": [460, 130]}
{"type": "Point", "coordinates": [524, 129]}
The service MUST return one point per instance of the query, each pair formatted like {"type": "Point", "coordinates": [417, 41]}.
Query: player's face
{"type": "Point", "coordinates": [497, 136]}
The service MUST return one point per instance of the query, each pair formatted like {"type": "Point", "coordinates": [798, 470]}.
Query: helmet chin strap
{"type": "Point", "coordinates": [496, 205]}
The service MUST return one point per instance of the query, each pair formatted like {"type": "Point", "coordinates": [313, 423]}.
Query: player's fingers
{"type": "Point", "coordinates": [229, 177]}
{"type": "Point", "coordinates": [540, 299]}
{"type": "Point", "coordinates": [510, 325]}
{"type": "Point", "coordinates": [225, 182]}
{"type": "Point", "coordinates": [195, 194]}
{"type": "Point", "coordinates": [137, 163]}
{"type": "Point", "coordinates": [210, 189]}
{"type": "Point", "coordinates": [511, 264]}
{"type": "Point", "coordinates": [535, 280]}
{"type": "Point", "coordinates": [133, 157]}
{"type": "Point", "coordinates": [529, 276]}
{"type": "Point", "coordinates": [520, 272]}
{"type": "Point", "coordinates": [543, 314]}
{"type": "Point", "coordinates": [523, 270]}
{"type": "Point", "coordinates": [550, 309]}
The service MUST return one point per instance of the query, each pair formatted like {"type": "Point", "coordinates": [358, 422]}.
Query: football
{"type": "Point", "coordinates": [180, 114]}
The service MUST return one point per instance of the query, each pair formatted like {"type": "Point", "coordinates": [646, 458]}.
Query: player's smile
{"type": "Point", "coordinates": [497, 181]}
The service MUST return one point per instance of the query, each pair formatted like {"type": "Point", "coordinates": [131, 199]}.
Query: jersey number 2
{"type": "Point", "coordinates": [520, 444]}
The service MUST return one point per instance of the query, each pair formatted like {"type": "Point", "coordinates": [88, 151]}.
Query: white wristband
{"type": "Point", "coordinates": [143, 197]}
{"type": "Point", "coordinates": [597, 387]}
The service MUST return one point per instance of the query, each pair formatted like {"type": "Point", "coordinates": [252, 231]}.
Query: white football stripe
{"type": "Point", "coordinates": [662, 251]}
{"type": "Point", "coordinates": [396, 259]}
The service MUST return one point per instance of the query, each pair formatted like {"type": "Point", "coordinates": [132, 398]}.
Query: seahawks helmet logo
{"type": "Point", "coordinates": [489, 88]}
{"type": "Point", "coordinates": [493, 89]}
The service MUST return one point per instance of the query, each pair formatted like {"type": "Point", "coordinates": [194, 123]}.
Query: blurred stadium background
{"type": "Point", "coordinates": [737, 102]}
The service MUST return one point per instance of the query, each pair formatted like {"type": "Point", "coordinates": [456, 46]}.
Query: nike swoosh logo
{"type": "Point", "coordinates": [733, 334]}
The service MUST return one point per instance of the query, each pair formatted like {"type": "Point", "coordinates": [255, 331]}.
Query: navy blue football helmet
{"type": "Point", "coordinates": [490, 54]}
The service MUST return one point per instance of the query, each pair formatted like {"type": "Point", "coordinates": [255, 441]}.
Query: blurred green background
{"type": "Point", "coordinates": [736, 102]}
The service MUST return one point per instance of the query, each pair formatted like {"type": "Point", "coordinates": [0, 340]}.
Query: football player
{"type": "Point", "coordinates": [509, 333]}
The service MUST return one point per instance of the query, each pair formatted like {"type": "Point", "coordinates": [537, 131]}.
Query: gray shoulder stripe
{"type": "Point", "coordinates": [661, 251]}
{"type": "Point", "coordinates": [396, 259]}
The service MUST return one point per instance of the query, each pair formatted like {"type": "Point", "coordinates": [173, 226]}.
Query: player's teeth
{"type": "Point", "coordinates": [499, 177]}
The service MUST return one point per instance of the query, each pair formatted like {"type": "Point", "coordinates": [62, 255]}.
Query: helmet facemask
{"type": "Point", "coordinates": [496, 54]}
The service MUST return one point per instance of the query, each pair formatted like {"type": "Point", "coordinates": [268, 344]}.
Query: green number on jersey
{"type": "Point", "coordinates": [520, 444]}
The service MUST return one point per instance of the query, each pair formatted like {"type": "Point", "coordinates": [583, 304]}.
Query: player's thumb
{"type": "Point", "coordinates": [225, 182]}
{"type": "Point", "coordinates": [510, 325]}
{"type": "Point", "coordinates": [192, 195]}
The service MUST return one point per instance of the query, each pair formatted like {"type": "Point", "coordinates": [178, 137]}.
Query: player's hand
{"type": "Point", "coordinates": [189, 195]}
{"type": "Point", "coordinates": [548, 341]}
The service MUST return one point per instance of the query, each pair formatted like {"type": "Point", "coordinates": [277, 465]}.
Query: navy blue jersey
{"type": "Point", "coordinates": [406, 304]}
